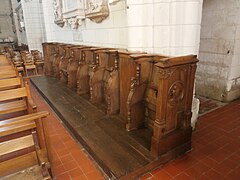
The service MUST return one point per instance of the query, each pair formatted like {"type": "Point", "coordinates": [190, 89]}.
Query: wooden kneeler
{"type": "Point", "coordinates": [23, 144]}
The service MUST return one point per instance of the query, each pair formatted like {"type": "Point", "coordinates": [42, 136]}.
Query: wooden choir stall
{"type": "Point", "coordinates": [141, 91]}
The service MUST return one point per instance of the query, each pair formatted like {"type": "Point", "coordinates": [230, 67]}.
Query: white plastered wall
{"type": "Point", "coordinates": [34, 25]}
{"type": "Point", "coordinates": [170, 27]}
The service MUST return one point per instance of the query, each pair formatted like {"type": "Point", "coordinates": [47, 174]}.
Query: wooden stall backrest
{"type": "Point", "coordinates": [83, 77]}
{"type": "Point", "coordinates": [63, 65]}
{"type": "Point", "coordinates": [73, 65]}
{"type": "Point", "coordinates": [59, 53]}
{"type": "Point", "coordinates": [128, 69]}
{"type": "Point", "coordinates": [49, 51]}
{"type": "Point", "coordinates": [104, 80]}
{"type": "Point", "coordinates": [138, 86]}
{"type": "Point", "coordinates": [151, 91]}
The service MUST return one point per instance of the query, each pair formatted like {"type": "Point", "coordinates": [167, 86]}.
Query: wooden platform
{"type": "Point", "coordinates": [117, 151]}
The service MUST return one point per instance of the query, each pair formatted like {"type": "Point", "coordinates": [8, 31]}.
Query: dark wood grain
{"type": "Point", "coordinates": [115, 149]}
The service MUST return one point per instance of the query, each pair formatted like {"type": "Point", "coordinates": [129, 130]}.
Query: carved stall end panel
{"type": "Point", "coordinates": [172, 127]}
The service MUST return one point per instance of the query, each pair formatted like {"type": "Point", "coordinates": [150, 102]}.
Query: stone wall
{"type": "Point", "coordinates": [18, 17]}
{"type": "Point", "coordinates": [218, 74]}
{"type": "Point", "coordinates": [6, 23]}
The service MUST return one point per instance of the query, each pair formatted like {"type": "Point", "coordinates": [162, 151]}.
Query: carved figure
{"type": "Point", "coordinates": [57, 10]}
{"type": "Point", "coordinates": [97, 10]}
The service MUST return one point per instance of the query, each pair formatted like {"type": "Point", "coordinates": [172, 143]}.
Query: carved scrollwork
{"type": "Point", "coordinates": [165, 73]}
{"type": "Point", "coordinates": [97, 10]}
{"type": "Point", "coordinates": [74, 22]}
{"type": "Point", "coordinates": [176, 93]}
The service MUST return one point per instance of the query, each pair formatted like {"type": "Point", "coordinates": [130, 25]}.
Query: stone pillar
{"type": "Point", "coordinates": [218, 75]}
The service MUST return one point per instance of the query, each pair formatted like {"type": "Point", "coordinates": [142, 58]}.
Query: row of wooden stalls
{"type": "Point", "coordinates": [23, 132]}
{"type": "Point", "coordinates": [150, 90]}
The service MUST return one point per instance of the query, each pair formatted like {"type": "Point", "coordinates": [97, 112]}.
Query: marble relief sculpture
{"type": "Point", "coordinates": [57, 9]}
{"type": "Point", "coordinates": [97, 10]}
{"type": "Point", "coordinates": [73, 12]}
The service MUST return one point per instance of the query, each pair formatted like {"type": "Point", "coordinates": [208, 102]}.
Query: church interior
{"type": "Point", "coordinates": [119, 89]}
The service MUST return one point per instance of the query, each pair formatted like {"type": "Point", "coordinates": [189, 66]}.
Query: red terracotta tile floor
{"type": "Point", "coordinates": [215, 151]}
{"type": "Point", "coordinates": [215, 154]}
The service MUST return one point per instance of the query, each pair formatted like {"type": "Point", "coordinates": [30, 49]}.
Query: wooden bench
{"type": "Point", "coordinates": [23, 144]}
{"type": "Point", "coordinates": [4, 61]}
{"type": "Point", "coordinates": [14, 100]}
{"type": "Point", "coordinates": [11, 83]}
{"type": "Point", "coordinates": [8, 72]}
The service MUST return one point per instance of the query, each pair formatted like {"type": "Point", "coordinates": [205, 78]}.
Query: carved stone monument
{"type": "Point", "coordinates": [97, 10]}
{"type": "Point", "coordinates": [58, 17]}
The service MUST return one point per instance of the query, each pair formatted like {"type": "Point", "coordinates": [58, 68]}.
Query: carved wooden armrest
{"type": "Point", "coordinates": [136, 93]}
{"type": "Point", "coordinates": [176, 61]}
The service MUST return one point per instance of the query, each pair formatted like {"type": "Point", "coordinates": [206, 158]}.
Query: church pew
{"type": "Point", "coordinates": [11, 83]}
{"type": "Point", "coordinates": [8, 72]}
{"type": "Point", "coordinates": [4, 61]}
{"type": "Point", "coordinates": [23, 144]}
{"type": "Point", "coordinates": [15, 100]}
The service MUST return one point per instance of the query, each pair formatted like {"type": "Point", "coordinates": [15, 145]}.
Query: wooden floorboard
{"type": "Point", "coordinates": [117, 151]}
